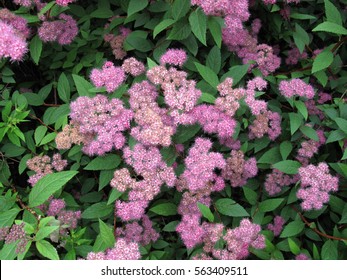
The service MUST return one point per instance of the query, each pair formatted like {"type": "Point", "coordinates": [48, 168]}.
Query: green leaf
{"type": "Point", "coordinates": [250, 195]}
{"type": "Point", "coordinates": [184, 133]}
{"type": "Point", "coordinates": [285, 149]}
{"type": "Point", "coordinates": [136, 6]}
{"type": "Point", "coordinates": [44, 232]}
{"type": "Point", "coordinates": [138, 43]}
{"type": "Point", "coordinates": [301, 37]}
{"type": "Point", "coordinates": [114, 195]}
{"type": "Point", "coordinates": [216, 30]}
{"type": "Point", "coordinates": [332, 13]}
{"type": "Point", "coordinates": [180, 8]}
{"type": "Point", "coordinates": [162, 26]}
{"type": "Point", "coordinates": [330, 27]}
{"type": "Point", "coordinates": [329, 250]}
{"type": "Point", "coordinates": [322, 61]}
{"type": "Point", "coordinates": [344, 215]}
{"type": "Point", "coordinates": [296, 121]}
{"type": "Point", "coordinates": [106, 237]}
{"type": "Point", "coordinates": [229, 207]}
{"type": "Point", "coordinates": [207, 97]}
{"type": "Point", "coordinates": [7, 217]}
{"type": "Point", "coordinates": [271, 156]}
{"type": "Point", "coordinates": [301, 16]}
{"type": "Point", "coordinates": [237, 73]}
{"type": "Point", "coordinates": [335, 135]}
{"type": "Point", "coordinates": [342, 124]}
{"type": "Point", "coordinates": [309, 132]}
{"type": "Point", "coordinates": [82, 85]}
{"type": "Point", "coordinates": [35, 49]}
{"type": "Point", "coordinates": [47, 250]}
{"type": "Point", "coordinates": [64, 88]}
{"type": "Point", "coordinates": [288, 166]}
{"type": "Point", "coordinates": [97, 210]}
{"type": "Point", "coordinates": [40, 132]}
{"type": "Point", "coordinates": [46, 8]}
{"type": "Point", "coordinates": [171, 227]}
{"type": "Point", "coordinates": [102, 13]}
{"type": "Point", "coordinates": [198, 24]}
{"type": "Point", "coordinates": [208, 75]}
{"type": "Point", "coordinates": [180, 31]}
{"type": "Point", "coordinates": [292, 229]}
{"type": "Point", "coordinates": [164, 209]}
{"type": "Point", "coordinates": [8, 252]}
{"type": "Point", "coordinates": [206, 212]}
{"type": "Point", "coordinates": [301, 108]}
{"type": "Point", "coordinates": [294, 248]}
{"type": "Point", "coordinates": [48, 185]}
{"type": "Point", "coordinates": [213, 60]}
{"type": "Point", "coordinates": [270, 204]}
{"type": "Point", "coordinates": [106, 162]}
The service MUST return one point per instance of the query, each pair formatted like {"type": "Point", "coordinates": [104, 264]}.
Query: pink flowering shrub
{"type": "Point", "coordinates": [183, 129]}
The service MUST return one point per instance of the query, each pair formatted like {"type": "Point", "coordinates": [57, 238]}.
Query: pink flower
{"type": "Point", "coordinates": [174, 56]}
{"type": "Point", "coordinates": [296, 87]}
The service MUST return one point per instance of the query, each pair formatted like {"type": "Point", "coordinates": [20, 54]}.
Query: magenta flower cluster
{"type": "Point", "coordinates": [109, 76]}
{"type": "Point", "coordinates": [101, 122]}
{"type": "Point", "coordinates": [316, 184]}
{"type": "Point", "coordinates": [14, 32]}
{"type": "Point", "coordinates": [296, 87]}
{"type": "Point", "coordinates": [64, 30]}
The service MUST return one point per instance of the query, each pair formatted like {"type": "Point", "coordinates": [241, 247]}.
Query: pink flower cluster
{"type": "Point", "coordinates": [13, 234]}
{"type": "Point", "coordinates": [276, 180]}
{"type": "Point", "coordinates": [64, 3]}
{"type": "Point", "coordinates": [175, 57]}
{"type": "Point", "coordinates": [266, 123]}
{"type": "Point", "coordinates": [14, 32]}
{"type": "Point", "coordinates": [122, 250]}
{"type": "Point", "coordinates": [64, 30]}
{"type": "Point", "coordinates": [316, 184]}
{"type": "Point", "coordinates": [109, 76]}
{"type": "Point", "coordinates": [296, 87]}
{"type": "Point", "coordinates": [238, 170]}
{"type": "Point", "coordinates": [141, 232]}
{"type": "Point", "coordinates": [101, 122]}
{"type": "Point", "coordinates": [294, 56]}
{"type": "Point", "coordinates": [200, 165]}
{"type": "Point", "coordinates": [239, 240]}
{"type": "Point", "coordinates": [116, 42]}
{"type": "Point", "coordinates": [277, 225]}
{"type": "Point", "coordinates": [147, 163]}
{"type": "Point", "coordinates": [43, 165]}
{"type": "Point", "coordinates": [133, 67]}
{"type": "Point", "coordinates": [309, 148]}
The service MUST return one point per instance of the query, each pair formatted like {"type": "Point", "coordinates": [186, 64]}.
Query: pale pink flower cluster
{"type": "Point", "coordinates": [28, 3]}
{"type": "Point", "coordinates": [175, 57]}
{"type": "Point", "coordinates": [316, 184]}
{"type": "Point", "coordinates": [70, 135]}
{"type": "Point", "coordinates": [101, 122]}
{"type": "Point", "coordinates": [235, 8]}
{"type": "Point", "coordinates": [122, 250]}
{"type": "Point", "coordinates": [302, 257]}
{"type": "Point", "coordinates": [14, 32]}
{"type": "Point", "coordinates": [266, 123]}
{"type": "Point", "coordinates": [141, 232]}
{"type": "Point", "coordinates": [190, 230]}
{"type": "Point", "coordinates": [296, 87]}
{"type": "Point", "coordinates": [276, 180]}
{"type": "Point", "coordinates": [154, 126]}
{"type": "Point", "coordinates": [64, 3]}
{"type": "Point", "coordinates": [25, 3]}
{"type": "Point", "coordinates": [109, 76]}
{"type": "Point", "coordinates": [64, 30]}
{"type": "Point", "coordinates": [239, 240]}
{"type": "Point", "coordinates": [43, 165]}
{"type": "Point", "coordinates": [133, 67]}
{"type": "Point", "coordinates": [180, 94]}
{"type": "Point", "coordinates": [148, 164]}
{"type": "Point", "coordinates": [277, 225]}
{"type": "Point", "coordinates": [238, 170]}
{"type": "Point", "coordinates": [200, 165]}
